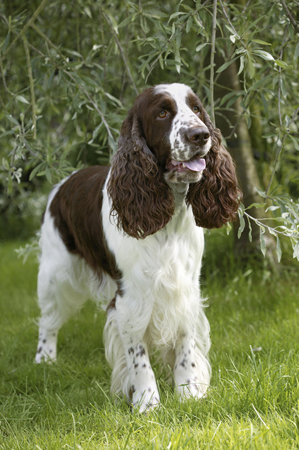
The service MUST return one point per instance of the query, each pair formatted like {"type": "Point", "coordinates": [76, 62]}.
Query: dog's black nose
{"type": "Point", "coordinates": [198, 136]}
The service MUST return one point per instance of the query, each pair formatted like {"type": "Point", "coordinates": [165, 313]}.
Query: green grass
{"type": "Point", "coordinates": [253, 402]}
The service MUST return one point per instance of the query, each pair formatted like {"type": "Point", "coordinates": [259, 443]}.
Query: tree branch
{"type": "Point", "coordinates": [230, 24]}
{"type": "Point", "coordinates": [27, 25]}
{"type": "Point", "coordinates": [247, 106]}
{"type": "Point", "coordinates": [3, 78]}
{"type": "Point", "coordinates": [279, 151]}
{"type": "Point", "coordinates": [121, 52]}
{"type": "Point", "coordinates": [72, 78]}
{"type": "Point", "coordinates": [279, 75]}
{"type": "Point", "coordinates": [246, 6]}
{"type": "Point", "coordinates": [171, 39]}
{"type": "Point", "coordinates": [292, 20]}
{"type": "Point", "coordinates": [31, 83]}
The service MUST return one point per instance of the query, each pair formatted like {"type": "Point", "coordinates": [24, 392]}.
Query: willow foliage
{"type": "Point", "coordinates": [70, 71]}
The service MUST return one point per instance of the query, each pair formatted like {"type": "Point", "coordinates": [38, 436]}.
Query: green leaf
{"type": "Point", "coordinates": [200, 47]}
{"type": "Point", "coordinates": [241, 68]}
{"type": "Point", "coordinates": [265, 55]}
{"type": "Point", "coordinates": [198, 21]}
{"type": "Point", "coordinates": [6, 42]}
{"type": "Point", "coordinates": [261, 193]}
{"type": "Point", "coordinates": [127, 21]}
{"type": "Point", "coordinates": [262, 241]}
{"type": "Point", "coordinates": [258, 41]}
{"type": "Point", "coordinates": [250, 230]}
{"type": "Point", "coordinates": [241, 227]}
{"type": "Point", "coordinates": [241, 209]}
{"type": "Point", "coordinates": [231, 101]}
{"type": "Point", "coordinates": [156, 15]}
{"type": "Point", "coordinates": [5, 164]}
{"type": "Point", "coordinates": [112, 144]}
{"type": "Point", "coordinates": [296, 251]}
{"type": "Point", "coordinates": [278, 249]}
{"type": "Point", "coordinates": [295, 141]}
{"type": "Point", "coordinates": [230, 95]}
{"type": "Point", "coordinates": [96, 132]}
{"type": "Point", "coordinates": [226, 65]}
{"type": "Point", "coordinates": [36, 170]}
{"type": "Point", "coordinates": [12, 119]}
{"type": "Point", "coordinates": [272, 231]}
{"type": "Point", "coordinates": [242, 221]}
{"type": "Point", "coordinates": [251, 68]}
{"type": "Point", "coordinates": [233, 32]}
{"type": "Point", "coordinates": [259, 83]}
{"type": "Point", "coordinates": [283, 87]}
{"type": "Point", "coordinates": [189, 24]}
{"type": "Point", "coordinates": [265, 104]}
{"type": "Point", "coordinates": [73, 52]}
{"type": "Point", "coordinates": [144, 25]}
{"type": "Point", "coordinates": [272, 208]}
{"type": "Point", "coordinates": [296, 54]}
{"type": "Point", "coordinates": [113, 21]}
{"type": "Point", "coordinates": [176, 14]}
{"type": "Point", "coordinates": [114, 99]}
{"type": "Point", "coordinates": [22, 99]}
{"type": "Point", "coordinates": [7, 132]}
{"type": "Point", "coordinates": [228, 228]}
{"type": "Point", "coordinates": [256, 205]}
{"type": "Point", "coordinates": [87, 12]}
{"type": "Point", "coordinates": [161, 62]}
{"type": "Point", "coordinates": [48, 174]}
{"type": "Point", "coordinates": [280, 63]}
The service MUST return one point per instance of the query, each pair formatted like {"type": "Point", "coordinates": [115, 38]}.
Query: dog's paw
{"type": "Point", "coordinates": [46, 349]}
{"type": "Point", "coordinates": [188, 389]}
{"type": "Point", "coordinates": [145, 401]}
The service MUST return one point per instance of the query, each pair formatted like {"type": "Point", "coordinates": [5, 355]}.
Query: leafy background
{"type": "Point", "coordinates": [71, 70]}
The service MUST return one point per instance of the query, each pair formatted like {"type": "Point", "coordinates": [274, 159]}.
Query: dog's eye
{"type": "Point", "coordinates": [163, 114]}
{"type": "Point", "coordinates": [195, 109]}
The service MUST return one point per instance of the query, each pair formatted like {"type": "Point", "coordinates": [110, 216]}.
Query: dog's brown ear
{"type": "Point", "coordinates": [142, 201]}
{"type": "Point", "coordinates": [216, 197]}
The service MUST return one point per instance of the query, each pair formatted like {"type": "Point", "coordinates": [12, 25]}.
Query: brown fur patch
{"type": "Point", "coordinates": [76, 209]}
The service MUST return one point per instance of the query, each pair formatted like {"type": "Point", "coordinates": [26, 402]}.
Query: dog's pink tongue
{"type": "Point", "coordinates": [196, 165]}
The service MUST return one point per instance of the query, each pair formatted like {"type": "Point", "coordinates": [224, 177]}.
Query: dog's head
{"type": "Point", "coordinates": [169, 138]}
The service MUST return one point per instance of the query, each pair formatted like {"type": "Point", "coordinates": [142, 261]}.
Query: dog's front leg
{"type": "Point", "coordinates": [133, 317]}
{"type": "Point", "coordinates": [143, 386]}
{"type": "Point", "coordinates": [191, 370]}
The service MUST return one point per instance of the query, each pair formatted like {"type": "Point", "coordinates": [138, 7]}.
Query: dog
{"type": "Point", "coordinates": [131, 237]}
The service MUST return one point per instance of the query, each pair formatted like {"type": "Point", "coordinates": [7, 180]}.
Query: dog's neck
{"type": "Point", "coordinates": [179, 192]}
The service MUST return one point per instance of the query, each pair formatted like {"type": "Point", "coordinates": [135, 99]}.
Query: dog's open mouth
{"type": "Point", "coordinates": [194, 164]}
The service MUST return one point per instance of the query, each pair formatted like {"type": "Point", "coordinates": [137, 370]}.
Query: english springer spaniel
{"type": "Point", "coordinates": [131, 237]}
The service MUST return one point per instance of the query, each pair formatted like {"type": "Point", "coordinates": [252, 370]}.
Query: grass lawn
{"type": "Point", "coordinates": [253, 401]}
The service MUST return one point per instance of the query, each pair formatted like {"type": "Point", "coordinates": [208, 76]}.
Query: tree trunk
{"type": "Point", "coordinates": [241, 149]}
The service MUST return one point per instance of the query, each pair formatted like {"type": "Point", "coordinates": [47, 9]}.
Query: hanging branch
{"type": "Point", "coordinates": [230, 24]}
{"type": "Point", "coordinates": [121, 52]}
{"type": "Point", "coordinates": [31, 83]}
{"type": "Point", "coordinates": [279, 151]}
{"type": "Point", "coordinates": [3, 77]}
{"type": "Point", "coordinates": [27, 25]}
{"type": "Point", "coordinates": [292, 20]}
{"type": "Point", "coordinates": [212, 62]}
{"type": "Point", "coordinates": [246, 6]}
{"type": "Point", "coordinates": [279, 76]}
{"type": "Point", "coordinates": [279, 96]}
{"type": "Point", "coordinates": [72, 78]}
{"type": "Point", "coordinates": [167, 43]}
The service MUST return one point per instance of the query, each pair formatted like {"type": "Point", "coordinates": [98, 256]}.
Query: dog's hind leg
{"type": "Point", "coordinates": [61, 290]}
{"type": "Point", "coordinates": [51, 320]}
